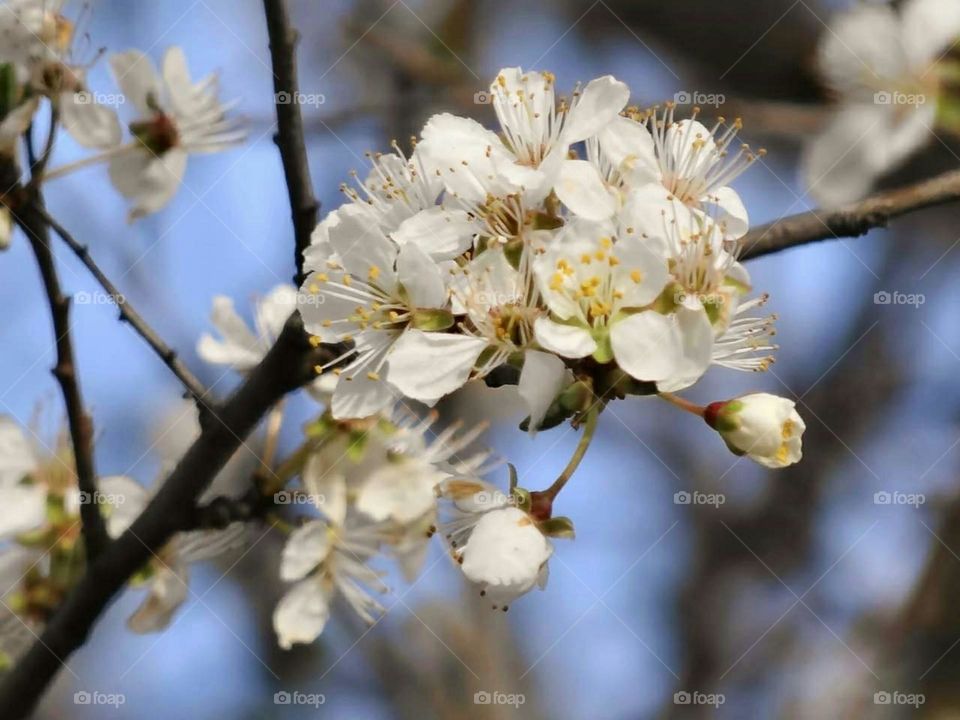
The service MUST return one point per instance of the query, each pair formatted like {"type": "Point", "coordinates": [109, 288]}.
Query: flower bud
{"type": "Point", "coordinates": [765, 428]}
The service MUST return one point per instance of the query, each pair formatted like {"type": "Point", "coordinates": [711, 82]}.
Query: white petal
{"type": "Point", "coordinates": [629, 146]}
{"type": "Point", "coordinates": [543, 377]}
{"type": "Point", "coordinates": [168, 591]}
{"type": "Point", "coordinates": [239, 347]}
{"type": "Point", "coordinates": [426, 366]}
{"type": "Point", "coordinates": [273, 310]}
{"type": "Point", "coordinates": [136, 77]}
{"type": "Point", "coordinates": [89, 123]}
{"type": "Point", "coordinates": [572, 341]}
{"type": "Point", "coordinates": [733, 214]}
{"type": "Point", "coordinates": [400, 491]}
{"type": "Point", "coordinates": [862, 49]}
{"type": "Point", "coordinates": [444, 234]}
{"type": "Point", "coordinates": [361, 397]}
{"type": "Point", "coordinates": [308, 546]}
{"type": "Point", "coordinates": [930, 27]}
{"type": "Point", "coordinates": [361, 244]}
{"type": "Point", "coordinates": [327, 485]}
{"type": "Point", "coordinates": [17, 458]}
{"type": "Point", "coordinates": [506, 550]}
{"type": "Point", "coordinates": [581, 189]}
{"type": "Point", "coordinates": [648, 345]}
{"type": "Point", "coordinates": [22, 508]}
{"type": "Point", "coordinates": [124, 499]}
{"type": "Point", "coordinates": [301, 614]}
{"type": "Point", "coordinates": [696, 340]}
{"type": "Point", "coordinates": [600, 102]}
{"type": "Point", "coordinates": [148, 180]}
{"type": "Point", "coordinates": [421, 278]}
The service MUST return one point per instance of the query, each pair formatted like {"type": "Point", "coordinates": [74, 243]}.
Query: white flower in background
{"type": "Point", "coordinates": [680, 168]}
{"type": "Point", "coordinates": [887, 67]}
{"type": "Point", "coordinates": [177, 118]}
{"type": "Point", "coordinates": [532, 159]}
{"type": "Point", "coordinates": [241, 347]}
{"type": "Point", "coordinates": [765, 428]}
{"type": "Point", "coordinates": [30, 483]}
{"type": "Point", "coordinates": [33, 32]}
{"type": "Point", "coordinates": [373, 293]}
{"type": "Point", "coordinates": [498, 546]}
{"type": "Point", "coordinates": [167, 576]}
{"type": "Point", "coordinates": [325, 558]}
{"type": "Point", "coordinates": [599, 290]}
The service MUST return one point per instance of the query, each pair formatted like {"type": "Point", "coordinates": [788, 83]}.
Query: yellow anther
{"type": "Point", "coordinates": [373, 273]}
{"type": "Point", "coordinates": [606, 243]}
{"type": "Point", "coordinates": [600, 255]}
{"type": "Point", "coordinates": [636, 276]}
{"type": "Point", "coordinates": [327, 323]}
{"type": "Point", "coordinates": [322, 277]}
{"type": "Point", "coordinates": [373, 376]}
{"type": "Point", "coordinates": [314, 288]}
{"type": "Point", "coordinates": [585, 258]}
{"type": "Point", "coordinates": [315, 341]}
{"type": "Point", "coordinates": [613, 260]}
{"type": "Point", "coordinates": [347, 279]}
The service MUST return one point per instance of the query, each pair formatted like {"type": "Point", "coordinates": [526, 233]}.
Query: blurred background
{"type": "Point", "coordinates": [797, 594]}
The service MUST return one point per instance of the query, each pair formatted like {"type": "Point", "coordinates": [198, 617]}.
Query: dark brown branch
{"type": "Point", "coordinates": [287, 366]}
{"type": "Point", "coordinates": [851, 220]}
{"type": "Point", "coordinates": [30, 219]}
{"type": "Point", "coordinates": [129, 315]}
{"type": "Point", "coordinates": [289, 138]}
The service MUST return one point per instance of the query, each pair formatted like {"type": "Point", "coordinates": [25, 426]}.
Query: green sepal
{"type": "Point", "coordinates": [432, 320]}
{"type": "Point", "coordinates": [521, 498]}
{"type": "Point", "coordinates": [604, 352]}
{"type": "Point", "coordinates": [558, 527]}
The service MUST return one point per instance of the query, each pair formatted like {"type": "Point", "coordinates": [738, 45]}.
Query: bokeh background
{"type": "Point", "coordinates": [801, 595]}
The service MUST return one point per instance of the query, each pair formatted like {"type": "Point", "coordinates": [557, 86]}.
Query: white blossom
{"type": "Point", "coordinates": [766, 428]}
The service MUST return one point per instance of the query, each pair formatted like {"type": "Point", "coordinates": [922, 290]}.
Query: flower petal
{"type": "Point", "coordinates": [442, 233]}
{"type": "Point", "coordinates": [308, 546]}
{"type": "Point", "coordinates": [599, 103]}
{"type": "Point", "coordinates": [541, 380]}
{"type": "Point", "coordinates": [572, 341]}
{"type": "Point", "coordinates": [581, 189]}
{"type": "Point", "coordinates": [426, 366]}
{"type": "Point", "coordinates": [421, 278]}
{"type": "Point", "coordinates": [302, 613]}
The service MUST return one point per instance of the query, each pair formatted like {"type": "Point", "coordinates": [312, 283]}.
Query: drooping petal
{"type": "Point", "coordinates": [307, 547]}
{"type": "Point", "coordinates": [541, 380]}
{"type": "Point", "coordinates": [599, 103]}
{"type": "Point", "coordinates": [421, 278]}
{"type": "Point", "coordinates": [137, 79]}
{"type": "Point", "coordinates": [239, 348]}
{"type": "Point", "coordinates": [122, 499]}
{"type": "Point", "coordinates": [581, 189]}
{"type": "Point", "coordinates": [302, 613]}
{"type": "Point", "coordinates": [400, 491]}
{"type": "Point", "coordinates": [647, 345]}
{"type": "Point", "coordinates": [426, 366]}
{"type": "Point", "coordinates": [442, 233]}
{"type": "Point", "coordinates": [696, 342]}
{"type": "Point", "coordinates": [572, 341]}
{"type": "Point", "coordinates": [150, 181]}
{"type": "Point", "coordinates": [89, 123]}
{"type": "Point", "coordinates": [168, 591]}
{"type": "Point", "coordinates": [328, 487]}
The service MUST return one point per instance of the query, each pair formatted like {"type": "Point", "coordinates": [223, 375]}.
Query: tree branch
{"type": "Point", "coordinates": [287, 366]}
{"type": "Point", "coordinates": [129, 315]}
{"type": "Point", "coordinates": [30, 218]}
{"type": "Point", "coordinates": [851, 220]}
{"type": "Point", "coordinates": [289, 138]}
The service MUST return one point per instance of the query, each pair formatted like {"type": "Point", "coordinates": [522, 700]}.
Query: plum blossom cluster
{"type": "Point", "coordinates": [585, 252]}
{"type": "Point", "coordinates": [171, 116]}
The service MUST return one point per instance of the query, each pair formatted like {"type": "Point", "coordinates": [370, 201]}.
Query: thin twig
{"type": "Point", "coordinates": [129, 315]}
{"type": "Point", "coordinates": [30, 219]}
{"type": "Point", "coordinates": [851, 220]}
{"type": "Point", "coordinates": [289, 138]}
